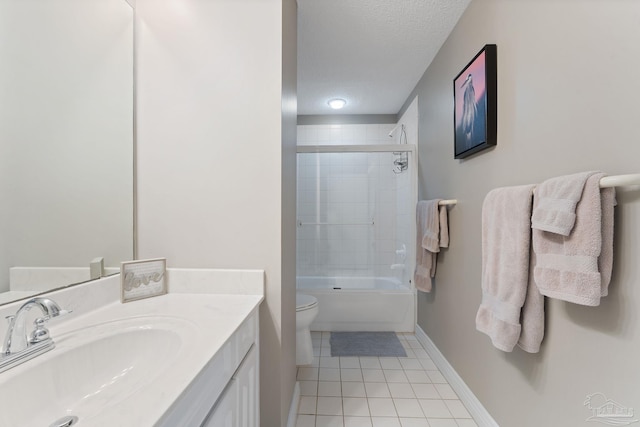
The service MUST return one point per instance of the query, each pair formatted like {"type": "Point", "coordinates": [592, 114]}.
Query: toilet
{"type": "Point", "coordinates": [306, 311]}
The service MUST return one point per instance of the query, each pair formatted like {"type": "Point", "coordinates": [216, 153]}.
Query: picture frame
{"type": "Point", "coordinates": [475, 104]}
{"type": "Point", "coordinates": [143, 279]}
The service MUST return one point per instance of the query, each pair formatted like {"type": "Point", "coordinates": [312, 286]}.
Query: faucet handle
{"type": "Point", "coordinates": [40, 333]}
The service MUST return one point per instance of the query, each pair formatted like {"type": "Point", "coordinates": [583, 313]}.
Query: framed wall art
{"type": "Point", "coordinates": [475, 110]}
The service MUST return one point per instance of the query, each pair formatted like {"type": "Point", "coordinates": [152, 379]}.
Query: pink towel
{"type": "Point", "coordinates": [512, 309]}
{"type": "Point", "coordinates": [432, 234]}
{"type": "Point", "coordinates": [577, 268]}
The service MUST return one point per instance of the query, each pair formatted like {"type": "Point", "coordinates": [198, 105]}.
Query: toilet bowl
{"type": "Point", "coordinates": [306, 311]}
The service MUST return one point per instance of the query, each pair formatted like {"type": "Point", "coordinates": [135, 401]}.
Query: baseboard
{"type": "Point", "coordinates": [470, 401]}
{"type": "Point", "coordinates": [293, 409]}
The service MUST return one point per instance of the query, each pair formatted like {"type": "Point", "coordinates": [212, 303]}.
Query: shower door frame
{"type": "Point", "coordinates": [381, 148]}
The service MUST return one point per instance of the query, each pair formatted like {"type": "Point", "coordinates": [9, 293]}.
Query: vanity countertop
{"type": "Point", "coordinates": [180, 333]}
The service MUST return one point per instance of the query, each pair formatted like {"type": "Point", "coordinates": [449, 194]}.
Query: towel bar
{"type": "Point", "coordinates": [620, 180]}
{"type": "Point", "coordinates": [448, 202]}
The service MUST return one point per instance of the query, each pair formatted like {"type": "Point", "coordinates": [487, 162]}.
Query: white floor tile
{"type": "Point", "coordinates": [445, 391]}
{"type": "Point", "coordinates": [307, 374]}
{"type": "Point", "coordinates": [370, 363]}
{"type": "Point", "coordinates": [316, 351]}
{"type": "Point", "coordinates": [435, 422]}
{"type": "Point", "coordinates": [390, 363]}
{"type": "Point", "coordinates": [329, 421]}
{"type": "Point", "coordinates": [329, 389]}
{"type": "Point", "coordinates": [306, 421]}
{"type": "Point", "coordinates": [316, 335]}
{"type": "Point", "coordinates": [410, 353]}
{"type": "Point", "coordinates": [330, 362]}
{"type": "Point", "coordinates": [307, 405]}
{"type": "Point", "coordinates": [401, 391]}
{"type": "Point", "coordinates": [414, 422]}
{"type": "Point", "coordinates": [381, 407]}
{"type": "Point", "coordinates": [329, 406]}
{"type": "Point", "coordinates": [355, 406]}
{"type": "Point", "coordinates": [428, 365]}
{"type": "Point", "coordinates": [426, 391]}
{"type": "Point", "coordinates": [395, 376]}
{"type": "Point", "coordinates": [385, 422]}
{"type": "Point", "coordinates": [326, 335]}
{"type": "Point", "coordinates": [415, 344]}
{"type": "Point", "coordinates": [436, 377]}
{"type": "Point", "coordinates": [377, 390]}
{"type": "Point", "coordinates": [421, 353]}
{"type": "Point", "coordinates": [353, 389]}
{"type": "Point", "coordinates": [418, 377]}
{"type": "Point", "coordinates": [373, 375]}
{"type": "Point", "coordinates": [308, 388]}
{"type": "Point", "coordinates": [466, 423]}
{"type": "Point", "coordinates": [457, 409]}
{"type": "Point", "coordinates": [316, 362]}
{"type": "Point", "coordinates": [325, 352]}
{"type": "Point", "coordinates": [357, 422]}
{"type": "Point", "coordinates": [435, 408]}
{"type": "Point", "coordinates": [329, 374]}
{"type": "Point", "coordinates": [351, 375]}
{"type": "Point", "coordinates": [349, 362]}
{"type": "Point", "coordinates": [408, 408]}
{"type": "Point", "coordinates": [410, 364]}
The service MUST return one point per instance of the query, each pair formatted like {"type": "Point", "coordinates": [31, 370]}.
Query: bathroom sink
{"type": "Point", "coordinates": [94, 370]}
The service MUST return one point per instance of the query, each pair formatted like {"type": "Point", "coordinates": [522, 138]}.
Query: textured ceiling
{"type": "Point", "coordinates": [369, 52]}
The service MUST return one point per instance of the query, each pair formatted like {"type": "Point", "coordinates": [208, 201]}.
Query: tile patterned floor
{"type": "Point", "coordinates": [377, 392]}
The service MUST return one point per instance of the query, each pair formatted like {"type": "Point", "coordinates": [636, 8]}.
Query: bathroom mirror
{"type": "Point", "coordinates": [66, 141]}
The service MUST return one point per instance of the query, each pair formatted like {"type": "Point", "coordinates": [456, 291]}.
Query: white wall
{"type": "Point", "coordinates": [567, 75]}
{"type": "Point", "coordinates": [211, 159]}
{"type": "Point", "coordinates": [66, 132]}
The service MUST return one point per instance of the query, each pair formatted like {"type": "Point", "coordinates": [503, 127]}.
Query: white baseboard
{"type": "Point", "coordinates": [293, 409]}
{"type": "Point", "coordinates": [477, 411]}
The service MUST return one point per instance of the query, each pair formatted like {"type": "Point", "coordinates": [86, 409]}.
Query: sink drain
{"type": "Point", "coordinates": [65, 422]}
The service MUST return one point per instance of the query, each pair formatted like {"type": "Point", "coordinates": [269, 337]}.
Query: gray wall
{"type": "Point", "coordinates": [568, 75]}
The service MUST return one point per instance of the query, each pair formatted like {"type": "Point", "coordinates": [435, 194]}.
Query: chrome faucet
{"type": "Point", "coordinates": [20, 347]}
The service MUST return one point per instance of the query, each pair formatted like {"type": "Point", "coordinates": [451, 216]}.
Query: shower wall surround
{"type": "Point", "coordinates": [352, 208]}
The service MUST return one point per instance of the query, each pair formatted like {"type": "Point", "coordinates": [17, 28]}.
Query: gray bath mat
{"type": "Point", "coordinates": [384, 344]}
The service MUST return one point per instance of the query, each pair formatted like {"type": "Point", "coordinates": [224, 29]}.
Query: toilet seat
{"type": "Point", "coordinates": [305, 302]}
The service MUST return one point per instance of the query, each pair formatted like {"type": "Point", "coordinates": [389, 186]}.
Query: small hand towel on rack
{"type": "Point", "coordinates": [432, 234]}
{"type": "Point", "coordinates": [512, 309]}
{"type": "Point", "coordinates": [556, 201]}
{"type": "Point", "coordinates": [577, 268]}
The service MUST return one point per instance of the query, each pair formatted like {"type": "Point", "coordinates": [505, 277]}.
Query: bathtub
{"type": "Point", "coordinates": [360, 303]}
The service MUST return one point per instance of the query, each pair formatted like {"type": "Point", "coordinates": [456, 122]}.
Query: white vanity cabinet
{"type": "Point", "coordinates": [238, 405]}
{"type": "Point", "coordinates": [226, 393]}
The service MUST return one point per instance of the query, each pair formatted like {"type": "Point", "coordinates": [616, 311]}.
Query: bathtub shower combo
{"type": "Point", "coordinates": [355, 225]}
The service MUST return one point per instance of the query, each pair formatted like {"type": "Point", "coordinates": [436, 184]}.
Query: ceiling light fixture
{"type": "Point", "coordinates": [337, 103]}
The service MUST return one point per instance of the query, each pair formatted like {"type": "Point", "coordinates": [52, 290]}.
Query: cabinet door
{"type": "Point", "coordinates": [246, 379]}
{"type": "Point", "coordinates": [224, 413]}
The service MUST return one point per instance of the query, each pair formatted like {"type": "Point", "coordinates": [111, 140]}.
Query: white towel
{"type": "Point", "coordinates": [512, 309]}
{"type": "Point", "coordinates": [432, 234]}
{"type": "Point", "coordinates": [556, 201]}
{"type": "Point", "coordinates": [577, 268]}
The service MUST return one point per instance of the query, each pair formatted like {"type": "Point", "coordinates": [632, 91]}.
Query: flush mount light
{"type": "Point", "coordinates": [337, 103]}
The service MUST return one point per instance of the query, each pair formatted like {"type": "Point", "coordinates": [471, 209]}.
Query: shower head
{"type": "Point", "coordinates": [393, 130]}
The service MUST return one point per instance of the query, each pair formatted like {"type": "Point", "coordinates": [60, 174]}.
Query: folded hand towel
{"type": "Point", "coordinates": [432, 234]}
{"type": "Point", "coordinates": [556, 203]}
{"type": "Point", "coordinates": [506, 238]}
{"type": "Point", "coordinates": [577, 268]}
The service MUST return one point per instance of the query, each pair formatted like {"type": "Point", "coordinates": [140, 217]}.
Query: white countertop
{"type": "Point", "coordinates": [210, 319]}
